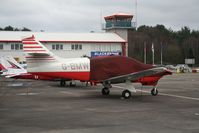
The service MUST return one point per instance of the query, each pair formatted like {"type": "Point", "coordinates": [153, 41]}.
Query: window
{"type": "Point", "coordinates": [72, 47]}
{"type": "Point", "coordinates": [21, 46]}
{"type": "Point", "coordinates": [76, 47]}
{"type": "Point", "coordinates": [57, 47]}
{"type": "Point", "coordinates": [16, 46]}
{"type": "Point", "coordinates": [80, 47]}
{"type": "Point", "coordinates": [1, 46]}
{"type": "Point", "coordinates": [53, 47]}
{"type": "Point", "coordinates": [12, 46]}
{"type": "Point", "coordinates": [61, 46]}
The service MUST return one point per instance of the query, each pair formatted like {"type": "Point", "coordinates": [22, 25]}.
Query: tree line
{"type": "Point", "coordinates": [175, 45]}
{"type": "Point", "coordinates": [10, 28]}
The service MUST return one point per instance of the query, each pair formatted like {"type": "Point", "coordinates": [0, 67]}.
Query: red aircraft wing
{"type": "Point", "coordinates": [137, 75]}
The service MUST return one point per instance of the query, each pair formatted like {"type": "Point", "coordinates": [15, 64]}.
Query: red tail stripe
{"type": "Point", "coordinates": [30, 38]}
{"type": "Point", "coordinates": [30, 42]}
{"type": "Point", "coordinates": [2, 67]}
{"type": "Point", "coordinates": [35, 50]}
{"type": "Point", "coordinates": [39, 57]}
{"type": "Point", "coordinates": [32, 46]}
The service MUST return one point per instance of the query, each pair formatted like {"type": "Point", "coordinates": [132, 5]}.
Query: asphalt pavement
{"type": "Point", "coordinates": [43, 107]}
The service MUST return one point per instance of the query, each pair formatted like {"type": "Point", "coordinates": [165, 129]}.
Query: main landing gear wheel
{"type": "Point", "coordinates": [154, 92]}
{"type": "Point", "coordinates": [62, 83]}
{"type": "Point", "coordinates": [72, 84]}
{"type": "Point", "coordinates": [126, 94]}
{"type": "Point", "coordinates": [105, 91]}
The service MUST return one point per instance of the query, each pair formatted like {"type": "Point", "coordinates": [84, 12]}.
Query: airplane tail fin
{"type": "Point", "coordinates": [36, 52]}
{"type": "Point", "coordinates": [10, 67]}
{"type": "Point", "coordinates": [4, 65]}
{"type": "Point", "coordinates": [13, 63]}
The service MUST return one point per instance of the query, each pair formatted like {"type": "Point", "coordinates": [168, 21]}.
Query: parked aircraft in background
{"type": "Point", "coordinates": [10, 68]}
{"type": "Point", "coordinates": [106, 70]}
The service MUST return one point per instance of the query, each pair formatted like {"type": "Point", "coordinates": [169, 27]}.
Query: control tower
{"type": "Point", "coordinates": [119, 23]}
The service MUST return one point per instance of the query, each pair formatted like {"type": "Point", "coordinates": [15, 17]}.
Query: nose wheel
{"type": "Point", "coordinates": [126, 94]}
{"type": "Point", "coordinates": [154, 91]}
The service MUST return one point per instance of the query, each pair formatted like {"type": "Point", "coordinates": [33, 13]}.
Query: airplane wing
{"type": "Point", "coordinates": [11, 75]}
{"type": "Point", "coordinates": [136, 75]}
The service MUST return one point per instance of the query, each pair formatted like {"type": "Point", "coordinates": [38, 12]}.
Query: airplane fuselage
{"type": "Point", "coordinates": [76, 69]}
{"type": "Point", "coordinates": [94, 69]}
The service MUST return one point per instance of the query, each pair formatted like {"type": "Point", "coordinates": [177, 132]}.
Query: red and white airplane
{"type": "Point", "coordinates": [105, 70]}
{"type": "Point", "coordinates": [10, 68]}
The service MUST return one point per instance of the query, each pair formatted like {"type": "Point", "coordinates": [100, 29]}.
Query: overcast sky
{"type": "Point", "coordinates": [86, 15]}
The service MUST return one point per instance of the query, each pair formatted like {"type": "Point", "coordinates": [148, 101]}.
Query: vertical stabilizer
{"type": "Point", "coordinates": [36, 52]}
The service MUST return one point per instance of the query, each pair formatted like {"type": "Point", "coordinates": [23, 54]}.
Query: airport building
{"type": "Point", "coordinates": [114, 41]}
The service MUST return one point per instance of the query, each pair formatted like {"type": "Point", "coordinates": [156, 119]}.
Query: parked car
{"type": "Point", "coordinates": [183, 68]}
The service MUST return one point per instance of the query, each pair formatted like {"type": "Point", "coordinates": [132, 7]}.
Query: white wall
{"type": "Point", "coordinates": [15, 53]}
{"type": "Point", "coordinates": [86, 49]}
{"type": "Point", "coordinates": [66, 52]}
{"type": "Point", "coordinates": [123, 33]}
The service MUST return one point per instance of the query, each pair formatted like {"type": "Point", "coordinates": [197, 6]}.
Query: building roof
{"type": "Point", "coordinates": [123, 15]}
{"type": "Point", "coordinates": [15, 36]}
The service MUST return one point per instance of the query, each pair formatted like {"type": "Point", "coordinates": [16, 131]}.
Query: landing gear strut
{"type": "Point", "coordinates": [72, 83]}
{"type": "Point", "coordinates": [126, 94]}
{"type": "Point", "coordinates": [105, 91]}
{"type": "Point", "coordinates": [154, 91]}
{"type": "Point", "coordinates": [62, 83]}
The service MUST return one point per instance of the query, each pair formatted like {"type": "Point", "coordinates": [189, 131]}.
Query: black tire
{"type": "Point", "coordinates": [126, 94]}
{"type": "Point", "coordinates": [62, 83]}
{"type": "Point", "coordinates": [154, 92]}
{"type": "Point", "coordinates": [105, 91]}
